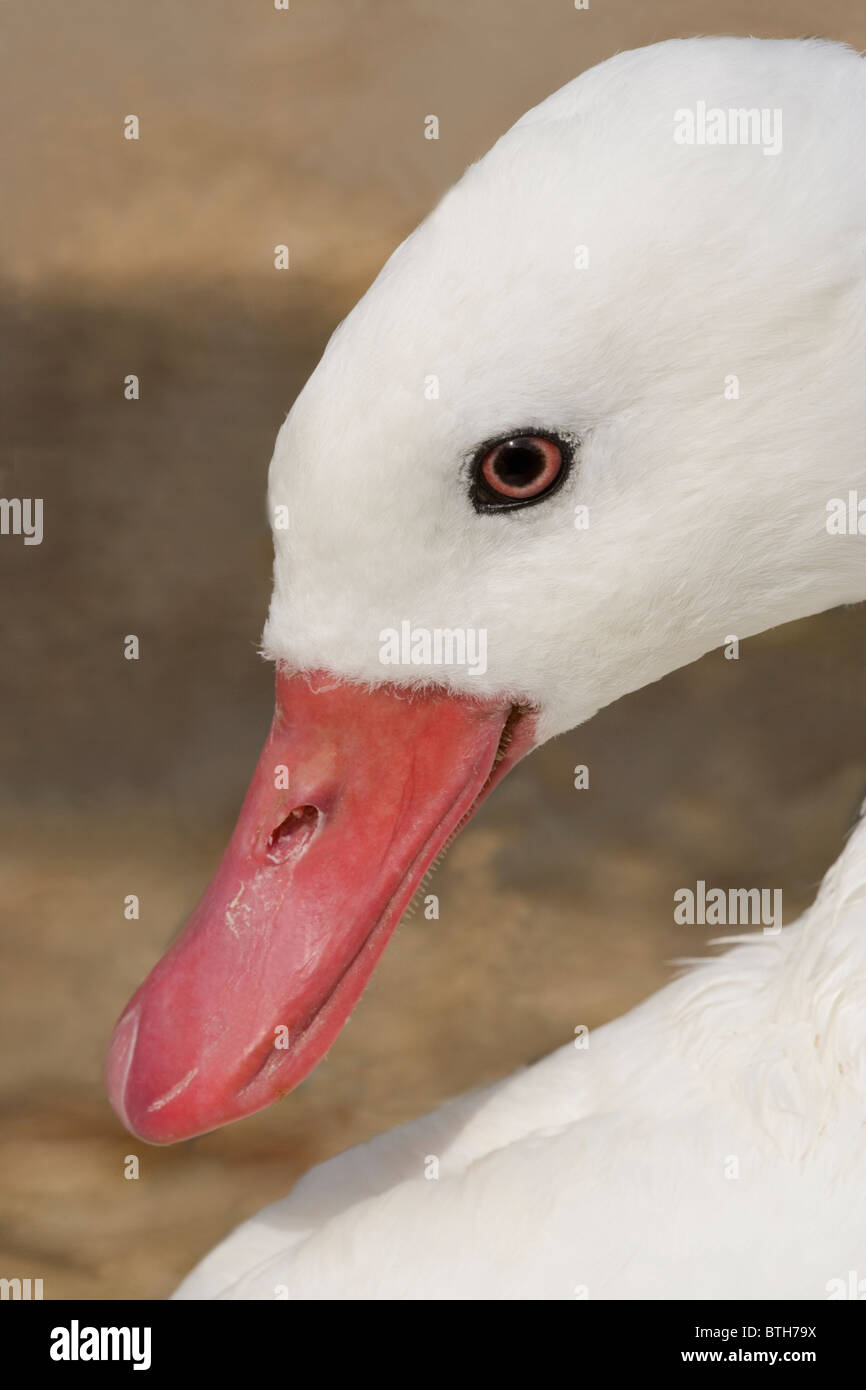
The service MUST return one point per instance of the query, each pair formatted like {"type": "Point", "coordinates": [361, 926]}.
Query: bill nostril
{"type": "Point", "coordinates": [292, 834]}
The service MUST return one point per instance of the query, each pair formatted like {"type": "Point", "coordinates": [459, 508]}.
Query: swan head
{"type": "Point", "coordinates": [583, 427]}
{"type": "Point", "coordinates": [688, 318]}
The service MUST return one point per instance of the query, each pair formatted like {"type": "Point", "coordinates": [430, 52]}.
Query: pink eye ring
{"type": "Point", "coordinates": [518, 470]}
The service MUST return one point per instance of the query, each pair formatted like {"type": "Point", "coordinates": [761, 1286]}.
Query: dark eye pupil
{"type": "Point", "coordinates": [519, 463]}
{"type": "Point", "coordinates": [519, 469]}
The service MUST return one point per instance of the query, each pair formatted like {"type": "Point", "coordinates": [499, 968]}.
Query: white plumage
{"type": "Point", "coordinates": [712, 1143]}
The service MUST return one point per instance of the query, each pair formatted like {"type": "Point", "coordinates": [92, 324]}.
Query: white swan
{"type": "Point", "coordinates": [664, 339]}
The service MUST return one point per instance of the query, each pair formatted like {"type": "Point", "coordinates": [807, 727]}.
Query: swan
{"type": "Point", "coordinates": [601, 407]}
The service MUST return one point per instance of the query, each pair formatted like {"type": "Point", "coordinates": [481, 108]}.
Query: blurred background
{"type": "Point", "coordinates": [155, 257]}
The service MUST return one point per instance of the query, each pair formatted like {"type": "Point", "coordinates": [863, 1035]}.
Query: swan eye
{"type": "Point", "coordinates": [516, 471]}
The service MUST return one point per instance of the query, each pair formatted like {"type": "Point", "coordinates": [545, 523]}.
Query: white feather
{"type": "Point", "coordinates": [712, 1143]}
